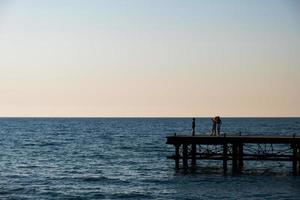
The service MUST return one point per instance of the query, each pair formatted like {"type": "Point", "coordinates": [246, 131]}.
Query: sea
{"type": "Point", "coordinates": [126, 158]}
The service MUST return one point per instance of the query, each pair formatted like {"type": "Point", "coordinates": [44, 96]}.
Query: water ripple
{"type": "Point", "coordinates": [100, 158]}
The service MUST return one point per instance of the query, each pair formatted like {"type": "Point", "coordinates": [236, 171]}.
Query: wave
{"type": "Point", "coordinates": [132, 195]}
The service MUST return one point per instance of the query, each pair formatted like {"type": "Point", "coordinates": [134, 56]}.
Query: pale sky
{"type": "Point", "coordinates": [139, 58]}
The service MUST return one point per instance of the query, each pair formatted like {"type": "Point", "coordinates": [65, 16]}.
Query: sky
{"type": "Point", "coordinates": [149, 58]}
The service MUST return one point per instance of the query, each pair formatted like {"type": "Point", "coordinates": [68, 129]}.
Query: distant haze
{"type": "Point", "coordinates": [135, 58]}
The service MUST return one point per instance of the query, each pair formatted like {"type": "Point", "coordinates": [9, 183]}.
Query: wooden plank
{"type": "Point", "coordinates": [221, 158]}
{"type": "Point", "coordinates": [233, 139]}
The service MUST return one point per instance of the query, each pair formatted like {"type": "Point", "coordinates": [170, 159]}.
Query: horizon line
{"type": "Point", "coordinates": [1, 117]}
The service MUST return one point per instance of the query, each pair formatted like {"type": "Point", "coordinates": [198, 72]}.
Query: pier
{"type": "Point", "coordinates": [235, 149]}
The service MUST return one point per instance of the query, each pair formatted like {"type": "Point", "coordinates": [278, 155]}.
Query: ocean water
{"type": "Point", "coordinates": [125, 158]}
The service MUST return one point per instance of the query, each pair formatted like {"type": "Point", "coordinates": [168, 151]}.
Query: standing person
{"type": "Point", "coordinates": [219, 123]}
{"type": "Point", "coordinates": [193, 126]}
{"type": "Point", "coordinates": [214, 126]}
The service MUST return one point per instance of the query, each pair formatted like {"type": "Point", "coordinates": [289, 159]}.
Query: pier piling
{"type": "Point", "coordinates": [177, 156]}
{"type": "Point", "coordinates": [234, 158]}
{"type": "Point", "coordinates": [295, 163]}
{"type": "Point", "coordinates": [240, 156]}
{"type": "Point", "coordinates": [194, 150]}
{"type": "Point", "coordinates": [298, 157]}
{"type": "Point", "coordinates": [185, 156]}
{"type": "Point", "coordinates": [225, 157]}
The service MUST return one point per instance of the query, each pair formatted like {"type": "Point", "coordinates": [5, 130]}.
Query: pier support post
{"type": "Point", "coordinates": [185, 156]}
{"type": "Point", "coordinates": [298, 145]}
{"type": "Point", "coordinates": [225, 157]}
{"type": "Point", "coordinates": [240, 156]}
{"type": "Point", "coordinates": [234, 158]}
{"type": "Point", "coordinates": [194, 150]}
{"type": "Point", "coordinates": [295, 160]}
{"type": "Point", "coordinates": [177, 156]}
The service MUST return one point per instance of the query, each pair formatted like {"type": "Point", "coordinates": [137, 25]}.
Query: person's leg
{"type": "Point", "coordinates": [218, 130]}
{"type": "Point", "coordinates": [213, 130]}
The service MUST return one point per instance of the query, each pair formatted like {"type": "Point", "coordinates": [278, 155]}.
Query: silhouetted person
{"type": "Point", "coordinates": [219, 123]}
{"type": "Point", "coordinates": [214, 126]}
{"type": "Point", "coordinates": [193, 126]}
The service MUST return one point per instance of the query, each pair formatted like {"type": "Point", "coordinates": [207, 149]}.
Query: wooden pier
{"type": "Point", "coordinates": [237, 149]}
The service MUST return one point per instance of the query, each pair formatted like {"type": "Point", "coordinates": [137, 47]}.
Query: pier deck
{"type": "Point", "coordinates": [235, 148]}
